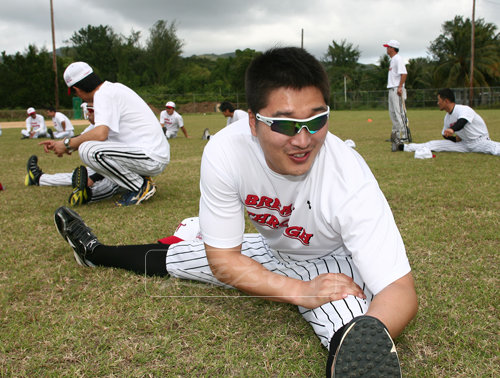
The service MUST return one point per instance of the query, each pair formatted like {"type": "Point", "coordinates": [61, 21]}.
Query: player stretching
{"type": "Point", "coordinates": [463, 130]}
{"type": "Point", "coordinates": [327, 239]}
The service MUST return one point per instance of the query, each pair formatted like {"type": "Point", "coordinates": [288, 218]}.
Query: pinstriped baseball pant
{"type": "Point", "coordinates": [481, 145]}
{"type": "Point", "coordinates": [123, 165]}
{"type": "Point", "coordinates": [397, 111]}
{"type": "Point", "coordinates": [187, 260]}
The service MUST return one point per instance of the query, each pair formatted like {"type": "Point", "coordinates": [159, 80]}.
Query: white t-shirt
{"type": "Point", "coordinates": [336, 208]}
{"type": "Point", "coordinates": [58, 119]}
{"type": "Point", "coordinates": [475, 128]}
{"type": "Point", "coordinates": [396, 69]}
{"type": "Point", "coordinates": [36, 124]}
{"type": "Point", "coordinates": [130, 120]}
{"type": "Point", "coordinates": [172, 122]}
{"type": "Point", "coordinates": [237, 115]}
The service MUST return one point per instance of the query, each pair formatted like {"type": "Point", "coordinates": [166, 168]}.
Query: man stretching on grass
{"type": "Point", "coordinates": [327, 239]}
{"type": "Point", "coordinates": [463, 131]}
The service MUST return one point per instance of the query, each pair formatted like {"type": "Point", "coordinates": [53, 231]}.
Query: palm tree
{"type": "Point", "coordinates": [451, 51]}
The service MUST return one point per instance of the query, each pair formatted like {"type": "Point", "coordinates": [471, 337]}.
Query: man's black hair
{"type": "Point", "coordinates": [89, 83]}
{"type": "Point", "coordinates": [51, 109]}
{"type": "Point", "coordinates": [446, 93]}
{"type": "Point", "coordinates": [285, 67]}
{"type": "Point", "coordinates": [226, 105]}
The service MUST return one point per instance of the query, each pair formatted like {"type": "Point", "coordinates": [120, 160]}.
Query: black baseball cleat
{"type": "Point", "coordinates": [34, 172]}
{"type": "Point", "coordinates": [63, 217]}
{"type": "Point", "coordinates": [365, 350]}
{"type": "Point", "coordinates": [81, 193]}
{"type": "Point", "coordinates": [79, 236]}
{"type": "Point", "coordinates": [50, 133]}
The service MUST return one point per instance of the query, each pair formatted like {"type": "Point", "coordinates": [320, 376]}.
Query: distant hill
{"type": "Point", "coordinates": [214, 57]}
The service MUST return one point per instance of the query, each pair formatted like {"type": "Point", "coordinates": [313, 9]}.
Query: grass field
{"type": "Point", "coordinates": [59, 319]}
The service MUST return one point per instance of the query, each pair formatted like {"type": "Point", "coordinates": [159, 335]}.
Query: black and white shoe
{"type": "Point", "coordinates": [79, 236]}
{"type": "Point", "coordinates": [395, 142]}
{"type": "Point", "coordinates": [365, 350]}
{"type": "Point", "coordinates": [206, 134]}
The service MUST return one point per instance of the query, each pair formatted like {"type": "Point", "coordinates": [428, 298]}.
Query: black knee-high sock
{"type": "Point", "coordinates": [147, 259]}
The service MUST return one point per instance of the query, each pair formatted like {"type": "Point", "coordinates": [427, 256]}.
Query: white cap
{"type": "Point", "coordinates": [30, 110]}
{"type": "Point", "coordinates": [75, 72]}
{"type": "Point", "coordinates": [350, 143]}
{"type": "Point", "coordinates": [392, 43]}
{"type": "Point", "coordinates": [83, 105]}
{"type": "Point", "coordinates": [170, 104]}
{"type": "Point", "coordinates": [423, 153]}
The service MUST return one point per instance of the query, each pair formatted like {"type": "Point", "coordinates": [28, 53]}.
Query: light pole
{"type": "Point", "coordinates": [472, 42]}
{"type": "Point", "coordinates": [54, 57]}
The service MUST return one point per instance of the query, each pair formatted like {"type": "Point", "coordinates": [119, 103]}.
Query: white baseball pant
{"type": "Point", "coordinates": [187, 260]}
{"type": "Point", "coordinates": [124, 165]}
{"type": "Point", "coordinates": [481, 145]}
{"type": "Point", "coordinates": [397, 112]}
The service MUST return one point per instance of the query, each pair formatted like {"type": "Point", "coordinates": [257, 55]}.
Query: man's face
{"type": "Point", "coordinates": [51, 113]}
{"type": "Point", "coordinates": [290, 155]}
{"type": "Point", "coordinates": [86, 97]}
{"type": "Point", "coordinates": [226, 113]}
{"type": "Point", "coordinates": [441, 103]}
{"type": "Point", "coordinates": [170, 110]}
{"type": "Point", "coordinates": [33, 115]}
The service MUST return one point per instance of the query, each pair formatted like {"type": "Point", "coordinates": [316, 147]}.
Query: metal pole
{"type": "Point", "coordinates": [472, 42]}
{"type": "Point", "coordinates": [54, 57]}
{"type": "Point", "coordinates": [302, 39]}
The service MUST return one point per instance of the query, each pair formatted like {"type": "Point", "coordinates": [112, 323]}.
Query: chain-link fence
{"type": "Point", "coordinates": [484, 97]}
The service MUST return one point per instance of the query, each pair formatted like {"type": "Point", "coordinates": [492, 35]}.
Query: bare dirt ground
{"type": "Point", "coordinates": [22, 124]}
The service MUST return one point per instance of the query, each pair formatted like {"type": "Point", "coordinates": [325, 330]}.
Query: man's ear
{"type": "Point", "coordinates": [252, 121]}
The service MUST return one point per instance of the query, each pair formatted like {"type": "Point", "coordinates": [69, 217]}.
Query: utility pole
{"type": "Point", "coordinates": [302, 39]}
{"type": "Point", "coordinates": [472, 42]}
{"type": "Point", "coordinates": [54, 57]}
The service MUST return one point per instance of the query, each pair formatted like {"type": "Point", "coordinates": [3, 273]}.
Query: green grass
{"type": "Point", "coordinates": [57, 318]}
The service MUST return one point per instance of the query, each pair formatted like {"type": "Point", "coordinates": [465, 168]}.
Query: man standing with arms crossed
{"type": "Point", "coordinates": [396, 78]}
{"type": "Point", "coordinates": [326, 242]}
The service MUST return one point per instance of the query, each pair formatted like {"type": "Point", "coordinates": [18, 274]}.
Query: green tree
{"type": "Point", "coordinates": [420, 73]}
{"type": "Point", "coordinates": [341, 60]}
{"type": "Point", "coordinates": [164, 49]}
{"type": "Point", "coordinates": [96, 46]}
{"type": "Point", "coordinates": [452, 51]}
{"type": "Point", "coordinates": [27, 79]}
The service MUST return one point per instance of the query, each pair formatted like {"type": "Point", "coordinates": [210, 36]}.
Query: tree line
{"type": "Point", "coordinates": [157, 67]}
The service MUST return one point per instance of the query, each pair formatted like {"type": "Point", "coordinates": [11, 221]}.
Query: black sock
{"type": "Point", "coordinates": [149, 259]}
{"type": "Point", "coordinates": [334, 344]}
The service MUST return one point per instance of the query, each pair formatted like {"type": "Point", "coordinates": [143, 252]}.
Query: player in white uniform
{"type": "Point", "coordinates": [171, 121]}
{"type": "Point", "coordinates": [35, 125]}
{"type": "Point", "coordinates": [126, 145]}
{"type": "Point", "coordinates": [396, 78]}
{"type": "Point", "coordinates": [326, 241]}
{"type": "Point", "coordinates": [62, 125]}
{"type": "Point", "coordinates": [231, 112]}
{"type": "Point", "coordinates": [99, 187]}
{"type": "Point", "coordinates": [463, 131]}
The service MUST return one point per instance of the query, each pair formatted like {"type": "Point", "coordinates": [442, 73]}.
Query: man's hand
{"type": "Point", "coordinates": [57, 146]}
{"type": "Point", "coordinates": [448, 132]}
{"type": "Point", "coordinates": [326, 288]}
{"type": "Point", "coordinates": [400, 91]}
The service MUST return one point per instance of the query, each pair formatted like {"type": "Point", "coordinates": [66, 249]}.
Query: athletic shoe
{"type": "Point", "coordinates": [63, 217]}
{"type": "Point", "coordinates": [81, 193]}
{"type": "Point", "coordinates": [77, 234]}
{"type": "Point", "coordinates": [34, 172]}
{"type": "Point", "coordinates": [206, 134]}
{"type": "Point", "coordinates": [129, 198]}
{"type": "Point", "coordinates": [395, 141]}
{"type": "Point", "coordinates": [51, 133]}
{"type": "Point", "coordinates": [365, 349]}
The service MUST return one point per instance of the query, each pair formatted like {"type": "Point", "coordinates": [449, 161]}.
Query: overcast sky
{"type": "Point", "coordinates": [221, 26]}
